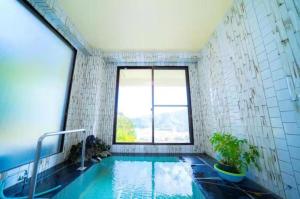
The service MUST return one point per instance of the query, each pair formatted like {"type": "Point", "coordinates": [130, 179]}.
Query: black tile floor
{"type": "Point", "coordinates": [204, 175]}
{"type": "Point", "coordinates": [62, 174]}
{"type": "Point", "coordinates": [214, 187]}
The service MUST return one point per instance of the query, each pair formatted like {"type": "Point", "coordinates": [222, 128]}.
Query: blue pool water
{"type": "Point", "coordinates": [125, 177]}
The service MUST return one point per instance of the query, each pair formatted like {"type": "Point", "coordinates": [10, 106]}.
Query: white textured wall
{"type": "Point", "coordinates": [93, 96]}
{"type": "Point", "coordinates": [86, 88]}
{"type": "Point", "coordinates": [107, 103]}
{"type": "Point", "coordinates": [243, 89]}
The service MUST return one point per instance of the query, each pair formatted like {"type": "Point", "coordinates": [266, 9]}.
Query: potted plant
{"type": "Point", "coordinates": [234, 156]}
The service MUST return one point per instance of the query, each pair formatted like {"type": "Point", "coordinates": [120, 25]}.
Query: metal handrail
{"type": "Point", "coordinates": [38, 156]}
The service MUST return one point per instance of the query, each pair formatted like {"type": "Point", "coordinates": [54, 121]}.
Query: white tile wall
{"type": "Point", "coordinates": [244, 68]}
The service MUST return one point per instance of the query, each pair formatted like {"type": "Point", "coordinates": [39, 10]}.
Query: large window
{"type": "Point", "coordinates": [153, 106]}
{"type": "Point", "coordinates": [36, 66]}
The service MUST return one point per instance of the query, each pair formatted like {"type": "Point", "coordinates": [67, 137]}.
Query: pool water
{"type": "Point", "coordinates": [126, 177]}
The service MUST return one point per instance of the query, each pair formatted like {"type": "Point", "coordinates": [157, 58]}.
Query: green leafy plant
{"type": "Point", "coordinates": [125, 129]}
{"type": "Point", "coordinates": [234, 152]}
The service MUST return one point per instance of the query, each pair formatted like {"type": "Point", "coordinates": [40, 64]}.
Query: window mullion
{"type": "Point", "coordinates": [152, 104]}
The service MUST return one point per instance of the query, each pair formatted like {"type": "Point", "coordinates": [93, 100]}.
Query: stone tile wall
{"type": "Point", "coordinates": [243, 73]}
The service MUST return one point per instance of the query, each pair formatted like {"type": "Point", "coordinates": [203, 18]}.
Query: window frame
{"type": "Point", "coordinates": [189, 107]}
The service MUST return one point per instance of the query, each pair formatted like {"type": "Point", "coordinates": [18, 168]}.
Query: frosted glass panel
{"type": "Point", "coordinates": [35, 66]}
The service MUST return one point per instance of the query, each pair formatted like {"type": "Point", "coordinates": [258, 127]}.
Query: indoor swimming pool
{"type": "Point", "coordinates": [150, 99]}
{"type": "Point", "coordinates": [134, 177]}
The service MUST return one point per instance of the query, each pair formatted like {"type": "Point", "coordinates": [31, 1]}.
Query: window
{"type": "Point", "coordinates": [36, 67]}
{"type": "Point", "coordinates": [153, 106]}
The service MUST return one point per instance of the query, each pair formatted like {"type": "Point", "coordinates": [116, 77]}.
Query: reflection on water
{"type": "Point", "coordinates": [135, 178]}
{"type": "Point", "coordinates": [141, 179]}
{"type": "Point", "coordinates": [131, 179]}
{"type": "Point", "coordinates": [177, 177]}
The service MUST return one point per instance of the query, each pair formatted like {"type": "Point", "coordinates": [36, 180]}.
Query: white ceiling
{"type": "Point", "coordinates": [146, 25]}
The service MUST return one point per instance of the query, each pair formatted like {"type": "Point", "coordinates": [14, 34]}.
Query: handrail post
{"type": "Point", "coordinates": [38, 156]}
{"type": "Point", "coordinates": [82, 167]}
{"type": "Point", "coordinates": [35, 169]}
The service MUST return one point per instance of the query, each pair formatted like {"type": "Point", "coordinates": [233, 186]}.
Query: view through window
{"type": "Point", "coordinates": [153, 106]}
